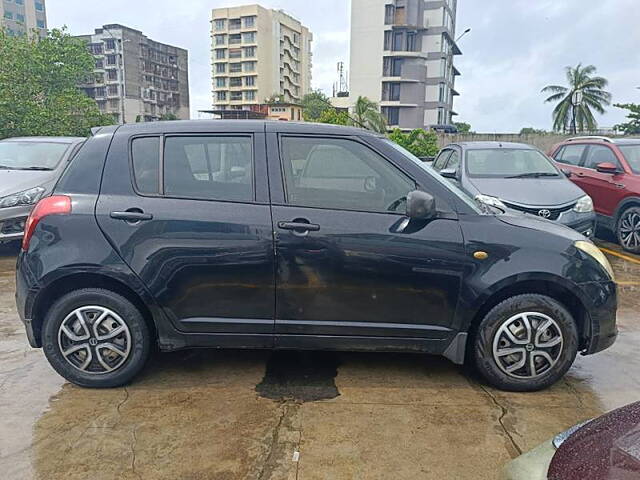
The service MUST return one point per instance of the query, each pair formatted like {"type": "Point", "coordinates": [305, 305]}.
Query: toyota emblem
{"type": "Point", "coordinates": [545, 213]}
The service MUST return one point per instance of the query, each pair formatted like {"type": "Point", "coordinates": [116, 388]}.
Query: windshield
{"type": "Point", "coordinates": [448, 185]}
{"type": "Point", "coordinates": [632, 154]}
{"type": "Point", "coordinates": [31, 155]}
{"type": "Point", "coordinates": [509, 163]}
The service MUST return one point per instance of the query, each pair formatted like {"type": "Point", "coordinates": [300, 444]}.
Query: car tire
{"type": "Point", "coordinates": [629, 224]}
{"type": "Point", "coordinates": [96, 338]}
{"type": "Point", "coordinates": [504, 329]}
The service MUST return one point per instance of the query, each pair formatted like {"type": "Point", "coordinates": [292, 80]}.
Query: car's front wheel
{"type": "Point", "coordinates": [96, 338]}
{"type": "Point", "coordinates": [526, 343]}
{"type": "Point", "coordinates": [628, 230]}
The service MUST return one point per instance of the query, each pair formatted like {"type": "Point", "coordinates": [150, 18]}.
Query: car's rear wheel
{"type": "Point", "coordinates": [526, 343]}
{"type": "Point", "coordinates": [628, 229]}
{"type": "Point", "coordinates": [96, 338]}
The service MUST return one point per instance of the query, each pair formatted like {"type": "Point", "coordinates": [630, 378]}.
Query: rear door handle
{"type": "Point", "coordinates": [131, 216]}
{"type": "Point", "coordinates": [309, 227]}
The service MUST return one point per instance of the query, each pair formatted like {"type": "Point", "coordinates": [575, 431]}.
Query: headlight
{"type": "Point", "coordinates": [491, 201]}
{"type": "Point", "coordinates": [596, 253]}
{"type": "Point", "coordinates": [564, 436]}
{"type": "Point", "coordinates": [584, 205]}
{"type": "Point", "coordinates": [28, 197]}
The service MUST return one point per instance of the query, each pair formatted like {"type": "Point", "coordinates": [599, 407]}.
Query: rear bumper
{"type": "Point", "coordinates": [26, 291]}
{"type": "Point", "coordinates": [602, 310]}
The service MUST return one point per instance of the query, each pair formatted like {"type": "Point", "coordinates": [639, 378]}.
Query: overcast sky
{"type": "Point", "coordinates": [515, 48]}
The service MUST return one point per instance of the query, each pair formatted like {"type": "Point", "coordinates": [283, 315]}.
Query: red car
{"type": "Point", "coordinates": [609, 171]}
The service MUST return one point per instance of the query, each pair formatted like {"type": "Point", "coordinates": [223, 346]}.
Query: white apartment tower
{"type": "Point", "coordinates": [257, 53]}
{"type": "Point", "coordinates": [402, 55]}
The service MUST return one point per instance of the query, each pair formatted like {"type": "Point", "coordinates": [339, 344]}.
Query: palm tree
{"type": "Point", "coordinates": [367, 115]}
{"type": "Point", "coordinates": [585, 92]}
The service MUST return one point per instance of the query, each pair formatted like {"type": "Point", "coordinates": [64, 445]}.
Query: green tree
{"type": "Point", "coordinates": [632, 127]}
{"type": "Point", "coordinates": [39, 92]}
{"type": "Point", "coordinates": [166, 117]}
{"type": "Point", "coordinates": [532, 131]}
{"type": "Point", "coordinates": [315, 104]}
{"type": "Point", "coordinates": [367, 115]}
{"type": "Point", "coordinates": [582, 83]}
{"type": "Point", "coordinates": [334, 117]}
{"type": "Point", "coordinates": [418, 142]}
{"type": "Point", "coordinates": [463, 127]}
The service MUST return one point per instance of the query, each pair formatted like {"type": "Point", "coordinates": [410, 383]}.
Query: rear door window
{"type": "Point", "coordinates": [571, 154]}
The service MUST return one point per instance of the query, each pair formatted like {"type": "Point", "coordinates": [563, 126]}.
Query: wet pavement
{"type": "Point", "coordinates": [209, 414]}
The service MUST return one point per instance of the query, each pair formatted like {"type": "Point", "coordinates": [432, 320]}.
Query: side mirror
{"type": "Point", "coordinates": [567, 173]}
{"type": "Point", "coordinates": [449, 173]}
{"type": "Point", "coordinates": [607, 167]}
{"type": "Point", "coordinates": [421, 205]}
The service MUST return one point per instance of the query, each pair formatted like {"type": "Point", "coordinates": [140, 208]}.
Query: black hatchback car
{"type": "Point", "coordinates": [296, 236]}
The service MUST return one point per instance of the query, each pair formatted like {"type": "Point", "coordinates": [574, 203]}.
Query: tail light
{"type": "Point", "coordinates": [56, 205]}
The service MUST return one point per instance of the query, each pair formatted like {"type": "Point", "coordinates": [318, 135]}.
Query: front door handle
{"type": "Point", "coordinates": [309, 227]}
{"type": "Point", "coordinates": [132, 215]}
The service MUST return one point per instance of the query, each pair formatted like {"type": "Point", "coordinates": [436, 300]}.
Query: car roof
{"type": "Point", "coordinates": [601, 141]}
{"type": "Point", "coordinates": [45, 139]}
{"type": "Point", "coordinates": [626, 141]}
{"type": "Point", "coordinates": [496, 145]}
{"type": "Point", "coordinates": [237, 126]}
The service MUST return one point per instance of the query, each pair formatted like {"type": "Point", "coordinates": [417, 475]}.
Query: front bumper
{"type": "Point", "coordinates": [584, 223]}
{"type": "Point", "coordinates": [601, 302]}
{"type": "Point", "coordinates": [12, 222]}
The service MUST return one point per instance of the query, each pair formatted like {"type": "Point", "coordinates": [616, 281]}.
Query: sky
{"type": "Point", "coordinates": [515, 47]}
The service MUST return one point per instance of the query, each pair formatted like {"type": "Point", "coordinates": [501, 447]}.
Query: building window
{"type": "Point", "coordinates": [389, 14]}
{"type": "Point", "coordinates": [235, 39]}
{"type": "Point", "coordinates": [398, 41]}
{"type": "Point", "coordinates": [8, 15]}
{"type": "Point", "coordinates": [235, 24]}
{"type": "Point", "coordinates": [388, 35]}
{"type": "Point", "coordinates": [250, 96]}
{"type": "Point", "coordinates": [235, 67]}
{"type": "Point", "coordinates": [236, 96]}
{"type": "Point", "coordinates": [442, 120]}
{"type": "Point", "coordinates": [249, 81]}
{"type": "Point", "coordinates": [249, 52]}
{"type": "Point", "coordinates": [19, 2]}
{"type": "Point", "coordinates": [392, 114]}
{"type": "Point", "coordinates": [411, 41]}
{"type": "Point", "coordinates": [111, 59]}
{"type": "Point", "coordinates": [235, 82]}
{"type": "Point", "coordinates": [112, 90]}
{"type": "Point", "coordinates": [110, 44]}
{"type": "Point", "coordinates": [101, 92]}
{"type": "Point", "coordinates": [249, 37]}
{"type": "Point", "coordinates": [235, 53]}
{"type": "Point", "coordinates": [221, 96]}
{"type": "Point", "coordinates": [99, 63]}
{"type": "Point", "coordinates": [114, 103]}
{"type": "Point", "coordinates": [220, 24]}
{"type": "Point", "coordinates": [39, 7]}
{"type": "Point", "coordinates": [221, 82]}
{"type": "Point", "coordinates": [40, 23]}
{"type": "Point", "coordinates": [249, 22]}
{"type": "Point", "coordinates": [220, 39]}
{"type": "Point", "coordinates": [112, 74]}
{"type": "Point", "coordinates": [391, 91]}
{"type": "Point", "coordinates": [221, 67]}
{"type": "Point", "coordinates": [249, 66]}
{"type": "Point", "coordinates": [96, 48]}
{"type": "Point", "coordinates": [393, 67]}
{"type": "Point", "coordinates": [19, 18]}
{"type": "Point", "coordinates": [221, 54]}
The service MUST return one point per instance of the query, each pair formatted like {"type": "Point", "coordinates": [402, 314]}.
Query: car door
{"type": "Point", "coordinates": [607, 190]}
{"type": "Point", "coordinates": [349, 263]}
{"type": "Point", "coordinates": [193, 221]}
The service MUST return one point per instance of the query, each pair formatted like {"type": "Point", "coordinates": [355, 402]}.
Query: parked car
{"type": "Point", "coordinates": [277, 235]}
{"type": "Point", "coordinates": [452, 129]}
{"type": "Point", "coordinates": [29, 168]}
{"type": "Point", "coordinates": [518, 177]}
{"type": "Point", "coordinates": [609, 171]}
{"type": "Point", "coordinates": [607, 448]}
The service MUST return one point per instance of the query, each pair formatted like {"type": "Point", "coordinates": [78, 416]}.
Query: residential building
{"type": "Point", "coordinates": [257, 53]}
{"type": "Point", "coordinates": [402, 55]}
{"type": "Point", "coordinates": [23, 16]}
{"type": "Point", "coordinates": [136, 78]}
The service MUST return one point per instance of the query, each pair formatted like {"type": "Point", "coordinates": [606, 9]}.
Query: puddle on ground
{"type": "Point", "coordinates": [300, 376]}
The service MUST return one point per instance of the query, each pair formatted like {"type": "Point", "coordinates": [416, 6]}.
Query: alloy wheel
{"type": "Point", "coordinates": [94, 340]}
{"type": "Point", "coordinates": [527, 345]}
{"type": "Point", "coordinates": [630, 230]}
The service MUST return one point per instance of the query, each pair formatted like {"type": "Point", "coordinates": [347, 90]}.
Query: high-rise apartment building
{"type": "Point", "coordinates": [402, 55]}
{"type": "Point", "coordinates": [23, 16]}
{"type": "Point", "coordinates": [256, 54]}
{"type": "Point", "coordinates": [136, 78]}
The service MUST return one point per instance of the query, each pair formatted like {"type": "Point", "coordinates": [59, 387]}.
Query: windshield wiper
{"type": "Point", "coordinates": [36, 169]}
{"type": "Point", "coordinates": [534, 175]}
